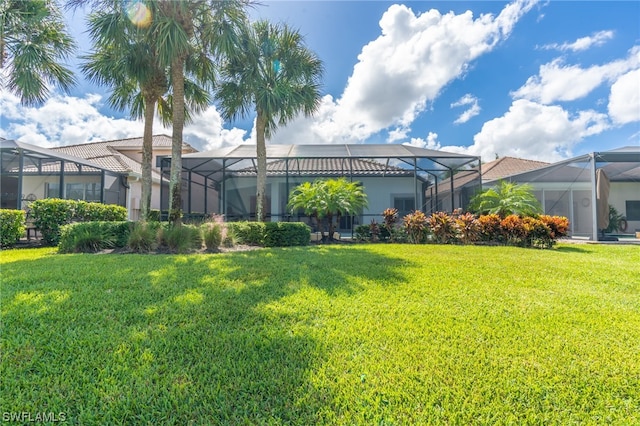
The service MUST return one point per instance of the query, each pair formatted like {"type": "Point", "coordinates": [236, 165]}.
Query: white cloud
{"type": "Point", "coordinates": [397, 134]}
{"type": "Point", "coordinates": [408, 65]}
{"type": "Point", "coordinates": [624, 100]}
{"type": "Point", "coordinates": [583, 43]}
{"type": "Point", "coordinates": [470, 112]}
{"type": "Point", "coordinates": [534, 131]}
{"type": "Point", "coordinates": [559, 82]}
{"type": "Point", "coordinates": [67, 120]}
{"type": "Point", "coordinates": [431, 142]}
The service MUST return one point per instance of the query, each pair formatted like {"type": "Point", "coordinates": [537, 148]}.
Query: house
{"type": "Point", "coordinates": [571, 188]}
{"type": "Point", "coordinates": [108, 172]}
{"type": "Point", "coordinates": [392, 176]}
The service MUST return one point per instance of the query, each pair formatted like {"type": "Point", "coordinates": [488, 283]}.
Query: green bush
{"type": "Point", "coordinates": [88, 237]}
{"type": "Point", "coordinates": [362, 233]}
{"type": "Point", "coordinates": [143, 237]}
{"type": "Point", "coordinates": [154, 216]}
{"type": "Point", "coordinates": [251, 233]}
{"type": "Point", "coordinates": [181, 238]}
{"type": "Point", "coordinates": [284, 234]}
{"type": "Point", "coordinates": [51, 213]}
{"type": "Point", "coordinates": [87, 212]}
{"type": "Point", "coordinates": [12, 226]}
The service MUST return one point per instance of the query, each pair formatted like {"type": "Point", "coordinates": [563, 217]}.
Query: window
{"type": "Point", "coordinates": [74, 191]}
{"type": "Point", "coordinates": [52, 190]}
{"type": "Point", "coordinates": [405, 205]}
{"type": "Point", "coordinates": [633, 210]}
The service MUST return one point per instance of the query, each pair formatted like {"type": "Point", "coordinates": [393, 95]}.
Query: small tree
{"type": "Point", "coordinates": [326, 199]}
{"type": "Point", "coordinates": [505, 199]}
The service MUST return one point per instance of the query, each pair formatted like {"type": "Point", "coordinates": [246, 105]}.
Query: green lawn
{"type": "Point", "coordinates": [343, 334]}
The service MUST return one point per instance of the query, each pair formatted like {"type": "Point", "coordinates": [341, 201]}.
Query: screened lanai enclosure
{"type": "Point", "coordinates": [583, 188]}
{"type": "Point", "coordinates": [30, 173]}
{"type": "Point", "coordinates": [223, 181]}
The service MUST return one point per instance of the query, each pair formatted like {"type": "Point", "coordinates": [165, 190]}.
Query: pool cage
{"type": "Point", "coordinates": [223, 181]}
{"type": "Point", "coordinates": [29, 172]}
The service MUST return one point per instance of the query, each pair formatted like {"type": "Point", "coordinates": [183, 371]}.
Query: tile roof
{"type": "Point", "coordinates": [107, 155]}
{"type": "Point", "coordinates": [328, 167]}
{"type": "Point", "coordinates": [507, 166]}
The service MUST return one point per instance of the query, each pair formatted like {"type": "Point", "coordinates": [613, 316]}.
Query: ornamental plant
{"type": "Point", "coordinates": [489, 227]}
{"type": "Point", "coordinates": [537, 233]}
{"type": "Point", "coordinates": [468, 228]}
{"type": "Point", "coordinates": [443, 227]}
{"type": "Point", "coordinates": [513, 229]}
{"type": "Point", "coordinates": [12, 226]}
{"type": "Point", "coordinates": [505, 199]}
{"type": "Point", "coordinates": [559, 225]}
{"type": "Point", "coordinates": [416, 226]}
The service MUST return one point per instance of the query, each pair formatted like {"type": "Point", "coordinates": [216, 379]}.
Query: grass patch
{"type": "Point", "coordinates": [358, 334]}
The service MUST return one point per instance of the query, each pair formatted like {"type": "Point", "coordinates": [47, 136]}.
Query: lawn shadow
{"type": "Point", "coordinates": [573, 249]}
{"type": "Point", "coordinates": [175, 339]}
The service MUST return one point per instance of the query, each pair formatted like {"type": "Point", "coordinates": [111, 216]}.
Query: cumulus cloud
{"type": "Point", "coordinates": [404, 68]}
{"type": "Point", "coordinates": [559, 82]}
{"type": "Point", "coordinates": [68, 120]}
{"type": "Point", "coordinates": [583, 43]}
{"type": "Point", "coordinates": [624, 100]}
{"type": "Point", "coordinates": [472, 110]}
{"type": "Point", "coordinates": [535, 131]}
{"type": "Point", "coordinates": [430, 142]}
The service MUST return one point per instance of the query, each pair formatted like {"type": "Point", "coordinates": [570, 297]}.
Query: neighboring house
{"type": "Point", "coordinates": [392, 176]}
{"type": "Point", "coordinates": [491, 172]}
{"type": "Point", "coordinates": [108, 171]}
{"type": "Point", "coordinates": [569, 188]}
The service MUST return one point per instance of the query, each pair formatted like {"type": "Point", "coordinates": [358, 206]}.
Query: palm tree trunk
{"type": "Point", "coordinates": [147, 150]}
{"type": "Point", "coordinates": [175, 180]}
{"type": "Point", "coordinates": [261, 152]}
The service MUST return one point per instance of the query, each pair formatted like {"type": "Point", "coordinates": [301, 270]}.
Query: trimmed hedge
{"type": "Point", "coordinates": [50, 214]}
{"type": "Point", "coordinates": [12, 226]}
{"type": "Point", "coordinates": [271, 234]}
{"type": "Point", "coordinates": [89, 237]}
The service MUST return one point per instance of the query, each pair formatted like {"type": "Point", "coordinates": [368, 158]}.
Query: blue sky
{"type": "Point", "coordinates": [537, 80]}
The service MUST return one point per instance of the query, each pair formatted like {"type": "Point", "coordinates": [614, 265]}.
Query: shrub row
{"type": "Point", "coordinates": [12, 226]}
{"type": "Point", "coordinates": [49, 214]}
{"type": "Point", "coordinates": [271, 234]}
{"type": "Point", "coordinates": [541, 231]}
{"type": "Point", "coordinates": [144, 237]}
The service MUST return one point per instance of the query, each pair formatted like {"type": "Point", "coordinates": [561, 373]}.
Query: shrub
{"type": "Point", "coordinates": [251, 233]}
{"type": "Point", "coordinates": [415, 225]}
{"type": "Point", "coordinates": [443, 227]}
{"type": "Point", "coordinates": [489, 227]}
{"type": "Point", "coordinates": [374, 231]}
{"type": "Point", "coordinates": [513, 229]}
{"type": "Point", "coordinates": [12, 226]}
{"type": "Point", "coordinates": [559, 225]}
{"type": "Point", "coordinates": [362, 233]}
{"type": "Point", "coordinates": [283, 234]}
{"type": "Point", "coordinates": [212, 233]}
{"type": "Point", "coordinates": [88, 212]}
{"type": "Point", "coordinates": [153, 216]}
{"type": "Point", "coordinates": [49, 215]}
{"type": "Point", "coordinates": [468, 228]}
{"type": "Point", "coordinates": [180, 238]}
{"type": "Point", "coordinates": [537, 233]}
{"type": "Point", "coordinates": [143, 237]}
{"type": "Point", "coordinates": [88, 237]}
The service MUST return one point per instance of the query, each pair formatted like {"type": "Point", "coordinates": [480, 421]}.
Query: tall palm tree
{"type": "Point", "coordinates": [125, 58]}
{"type": "Point", "coordinates": [192, 32]}
{"type": "Point", "coordinates": [277, 76]}
{"type": "Point", "coordinates": [33, 42]}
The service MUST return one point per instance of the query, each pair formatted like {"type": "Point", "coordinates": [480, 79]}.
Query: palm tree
{"type": "Point", "coordinates": [33, 42]}
{"type": "Point", "coordinates": [326, 199]}
{"type": "Point", "coordinates": [275, 74]}
{"type": "Point", "coordinates": [191, 32]}
{"type": "Point", "coordinates": [125, 59]}
{"type": "Point", "coordinates": [505, 199]}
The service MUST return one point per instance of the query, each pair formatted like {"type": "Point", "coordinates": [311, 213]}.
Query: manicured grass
{"type": "Point", "coordinates": [361, 334]}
